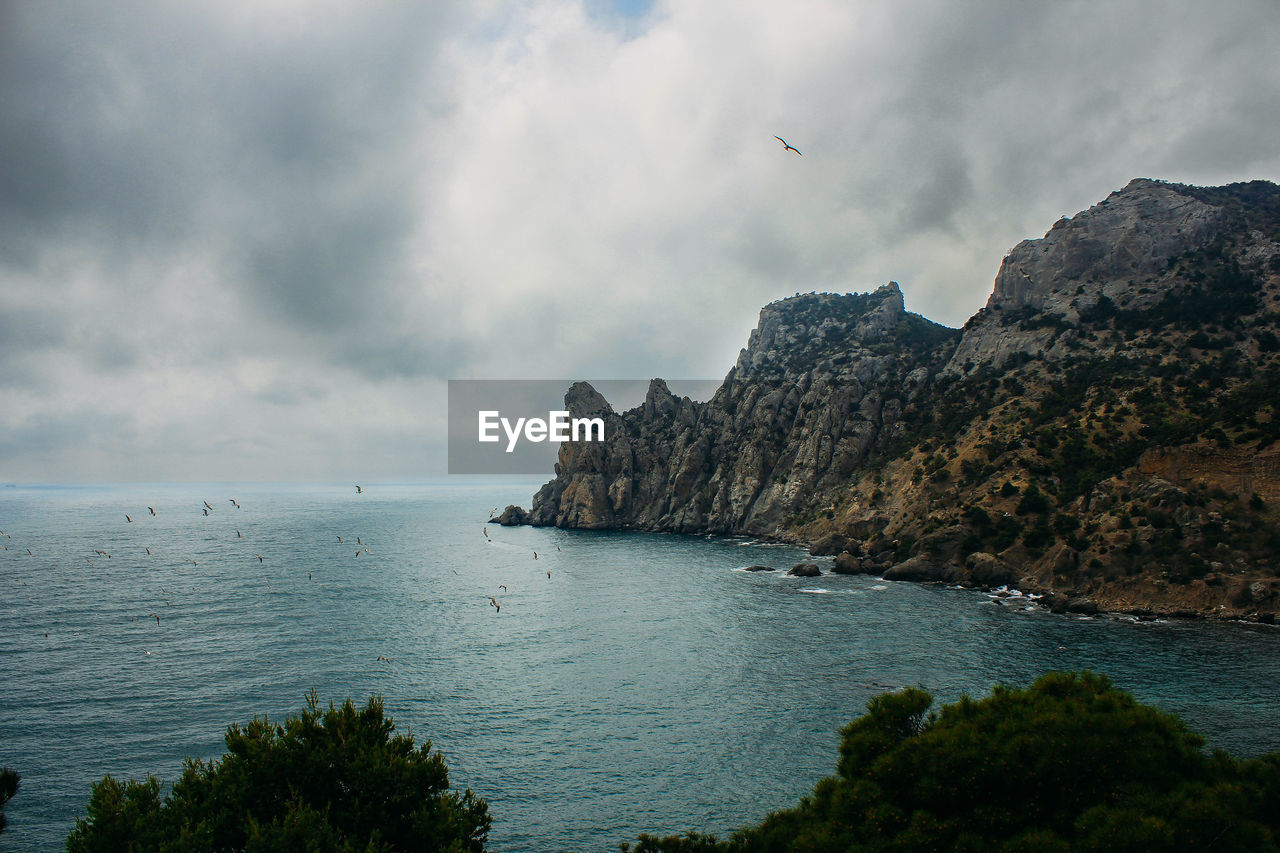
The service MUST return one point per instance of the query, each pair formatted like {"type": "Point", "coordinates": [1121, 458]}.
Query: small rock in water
{"type": "Point", "coordinates": [512, 516]}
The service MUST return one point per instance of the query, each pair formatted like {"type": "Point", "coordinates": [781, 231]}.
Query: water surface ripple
{"type": "Point", "coordinates": [648, 685]}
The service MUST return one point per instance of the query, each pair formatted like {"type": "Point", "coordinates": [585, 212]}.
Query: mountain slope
{"type": "Point", "coordinates": [1104, 430]}
{"type": "Point", "coordinates": [822, 379]}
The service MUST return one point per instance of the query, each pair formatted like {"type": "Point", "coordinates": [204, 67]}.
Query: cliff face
{"type": "Point", "coordinates": [1103, 430]}
{"type": "Point", "coordinates": [1116, 250]}
{"type": "Point", "coordinates": [822, 380]}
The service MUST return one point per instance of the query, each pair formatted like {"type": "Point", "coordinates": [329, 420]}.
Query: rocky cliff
{"type": "Point", "coordinates": [1102, 431]}
{"type": "Point", "coordinates": [821, 382]}
{"type": "Point", "coordinates": [1116, 250]}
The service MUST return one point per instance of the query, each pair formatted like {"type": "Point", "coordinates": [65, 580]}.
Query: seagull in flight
{"type": "Point", "coordinates": [788, 146]}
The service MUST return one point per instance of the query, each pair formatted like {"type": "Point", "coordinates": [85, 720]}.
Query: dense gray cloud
{"type": "Point", "coordinates": [253, 240]}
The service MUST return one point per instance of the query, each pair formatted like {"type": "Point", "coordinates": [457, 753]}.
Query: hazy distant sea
{"type": "Point", "coordinates": [648, 685]}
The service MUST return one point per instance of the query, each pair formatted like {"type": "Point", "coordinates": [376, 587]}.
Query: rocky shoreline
{"type": "Point", "coordinates": [1105, 432]}
{"type": "Point", "coordinates": [981, 572]}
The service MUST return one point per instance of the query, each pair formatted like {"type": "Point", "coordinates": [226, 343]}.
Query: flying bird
{"type": "Point", "coordinates": [206, 503]}
{"type": "Point", "coordinates": [495, 603]}
{"type": "Point", "coordinates": [153, 512]}
{"type": "Point", "coordinates": [359, 491]}
{"type": "Point", "coordinates": [787, 146]}
{"type": "Point", "coordinates": [127, 518]}
{"type": "Point", "coordinates": [259, 556]}
{"type": "Point", "coordinates": [502, 587]}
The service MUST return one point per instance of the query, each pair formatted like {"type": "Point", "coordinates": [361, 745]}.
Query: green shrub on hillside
{"type": "Point", "coordinates": [336, 780]}
{"type": "Point", "coordinates": [9, 780]}
{"type": "Point", "coordinates": [1070, 763]}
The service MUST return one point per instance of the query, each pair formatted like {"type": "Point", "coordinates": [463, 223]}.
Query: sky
{"type": "Point", "coordinates": [253, 240]}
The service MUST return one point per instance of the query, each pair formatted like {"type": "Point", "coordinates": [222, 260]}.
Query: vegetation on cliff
{"type": "Point", "coordinates": [1104, 429]}
{"type": "Point", "coordinates": [1131, 458]}
{"type": "Point", "coordinates": [1070, 763]}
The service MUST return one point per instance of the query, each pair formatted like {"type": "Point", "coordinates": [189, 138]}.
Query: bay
{"type": "Point", "coordinates": [648, 685]}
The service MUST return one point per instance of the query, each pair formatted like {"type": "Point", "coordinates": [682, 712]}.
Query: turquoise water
{"type": "Point", "coordinates": [648, 685]}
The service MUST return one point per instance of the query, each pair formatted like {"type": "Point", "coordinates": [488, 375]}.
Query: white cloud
{"type": "Point", "coordinates": [251, 241]}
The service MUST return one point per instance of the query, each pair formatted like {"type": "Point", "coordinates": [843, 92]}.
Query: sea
{"type": "Point", "coordinates": [631, 682]}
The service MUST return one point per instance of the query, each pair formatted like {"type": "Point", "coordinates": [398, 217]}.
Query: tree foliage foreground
{"type": "Point", "coordinates": [1069, 764]}
{"type": "Point", "coordinates": [333, 780]}
{"type": "Point", "coordinates": [9, 780]}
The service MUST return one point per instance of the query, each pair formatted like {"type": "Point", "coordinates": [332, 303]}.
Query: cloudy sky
{"type": "Point", "coordinates": [251, 240]}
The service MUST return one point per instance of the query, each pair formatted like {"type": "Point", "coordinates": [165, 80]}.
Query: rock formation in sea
{"type": "Point", "coordinates": [1104, 430]}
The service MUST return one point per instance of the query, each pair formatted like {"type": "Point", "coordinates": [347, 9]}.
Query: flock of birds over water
{"type": "Point", "coordinates": [98, 554]}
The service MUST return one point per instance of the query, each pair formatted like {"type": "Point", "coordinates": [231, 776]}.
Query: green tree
{"type": "Point", "coordinates": [1069, 764]}
{"type": "Point", "coordinates": [8, 787]}
{"type": "Point", "coordinates": [333, 780]}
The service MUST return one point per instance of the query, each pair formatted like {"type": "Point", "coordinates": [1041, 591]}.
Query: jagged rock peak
{"type": "Point", "coordinates": [1130, 234]}
{"type": "Point", "coordinates": [584, 401]}
{"type": "Point", "coordinates": [804, 325]}
{"type": "Point", "coordinates": [1119, 248]}
{"type": "Point", "coordinates": [659, 401]}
